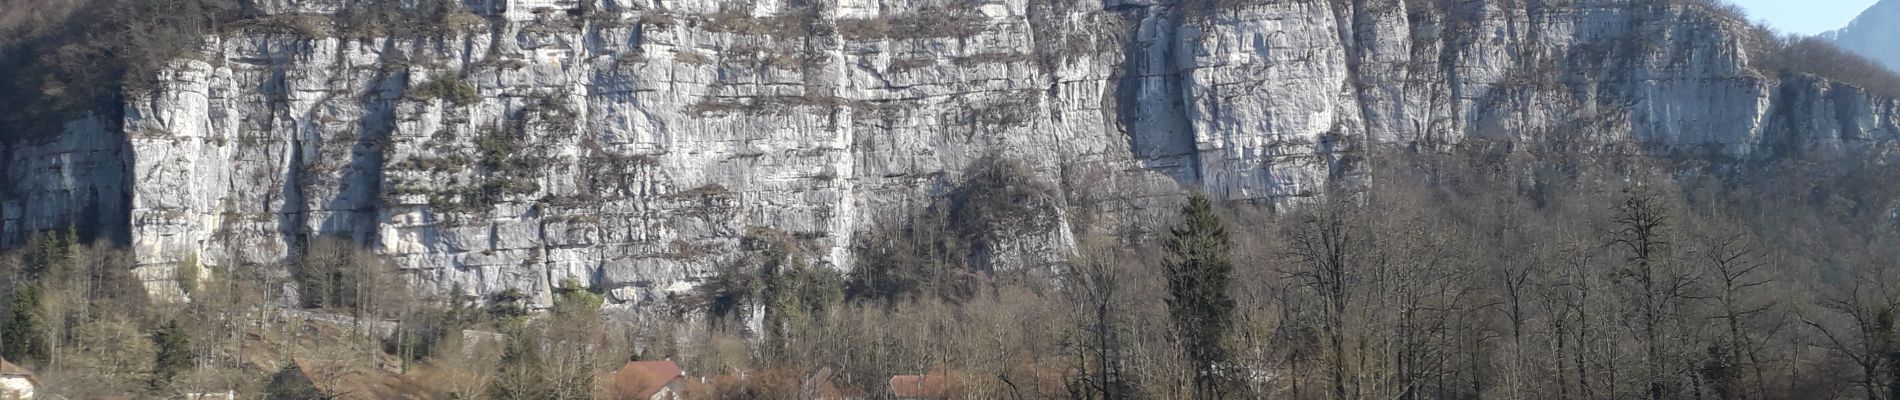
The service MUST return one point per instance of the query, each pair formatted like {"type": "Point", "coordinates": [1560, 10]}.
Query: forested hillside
{"type": "Point", "coordinates": [1466, 276]}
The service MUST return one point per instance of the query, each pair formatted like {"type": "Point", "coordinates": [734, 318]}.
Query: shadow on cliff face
{"type": "Point", "coordinates": [353, 210]}
{"type": "Point", "coordinates": [1150, 103]}
{"type": "Point", "coordinates": [73, 180]}
{"type": "Point", "coordinates": [359, 199]}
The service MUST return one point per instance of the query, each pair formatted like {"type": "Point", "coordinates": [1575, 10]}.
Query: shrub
{"type": "Point", "coordinates": [375, 18]}
{"type": "Point", "coordinates": [909, 64]}
{"type": "Point", "coordinates": [495, 145]}
{"type": "Point", "coordinates": [688, 56]}
{"type": "Point", "coordinates": [657, 20]}
{"type": "Point", "coordinates": [923, 23]}
{"type": "Point", "coordinates": [768, 57]}
{"type": "Point", "coordinates": [1720, 8]}
{"type": "Point", "coordinates": [552, 113]}
{"type": "Point", "coordinates": [462, 21]}
{"type": "Point", "coordinates": [798, 22]}
{"type": "Point", "coordinates": [187, 274]}
{"type": "Point", "coordinates": [446, 87]}
{"type": "Point", "coordinates": [309, 26]}
{"type": "Point", "coordinates": [572, 298]}
{"type": "Point", "coordinates": [508, 304]}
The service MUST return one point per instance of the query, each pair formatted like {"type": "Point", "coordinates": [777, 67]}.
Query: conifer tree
{"type": "Point", "coordinates": [519, 376]}
{"type": "Point", "coordinates": [22, 340]}
{"type": "Point", "coordinates": [1198, 269]}
{"type": "Point", "coordinates": [291, 383]}
{"type": "Point", "coordinates": [174, 353]}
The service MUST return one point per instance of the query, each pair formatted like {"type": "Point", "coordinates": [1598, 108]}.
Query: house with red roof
{"type": "Point", "coordinates": [645, 380]}
{"type": "Point", "coordinates": [932, 386]}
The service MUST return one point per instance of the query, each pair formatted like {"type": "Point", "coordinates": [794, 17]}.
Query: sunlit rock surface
{"type": "Point", "coordinates": [631, 144]}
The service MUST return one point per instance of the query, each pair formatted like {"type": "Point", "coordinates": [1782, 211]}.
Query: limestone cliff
{"type": "Point", "coordinates": [631, 143]}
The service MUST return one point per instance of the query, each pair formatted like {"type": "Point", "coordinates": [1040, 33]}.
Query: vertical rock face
{"type": "Point", "coordinates": [631, 144]}
{"type": "Point", "coordinates": [76, 179]}
{"type": "Point", "coordinates": [1872, 34]}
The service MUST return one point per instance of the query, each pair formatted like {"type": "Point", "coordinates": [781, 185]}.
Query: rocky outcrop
{"type": "Point", "coordinates": [631, 145]}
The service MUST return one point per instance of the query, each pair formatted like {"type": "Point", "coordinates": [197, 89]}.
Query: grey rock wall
{"type": "Point", "coordinates": [630, 144]}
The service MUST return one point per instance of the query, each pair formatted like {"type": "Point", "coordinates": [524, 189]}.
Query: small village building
{"type": "Point", "coordinates": [933, 386]}
{"type": "Point", "coordinates": [646, 380]}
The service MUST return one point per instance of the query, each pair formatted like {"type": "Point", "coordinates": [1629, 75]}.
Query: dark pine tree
{"type": "Point", "coordinates": [174, 353]}
{"type": "Point", "coordinates": [21, 339]}
{"type": "Point", "coordinates": [1198, 269]}
{"type": "Point", "coordinates": [519, 375]}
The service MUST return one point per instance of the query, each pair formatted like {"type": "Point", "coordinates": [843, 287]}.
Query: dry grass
{"type": "Point", "coordinates": [463, 21]}
{"type": "Point", "coordinates": [301, 25]}
{"type": "Point", "coordinates": [923, 23]}
{"type": "Point", "coordinates": [688, 56]}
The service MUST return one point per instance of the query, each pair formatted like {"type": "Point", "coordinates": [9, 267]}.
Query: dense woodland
{"type": "Point", "coordinates": [1476, 275]}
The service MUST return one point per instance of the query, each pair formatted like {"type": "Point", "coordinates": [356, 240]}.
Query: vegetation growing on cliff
{"type": "Point", "coordinates": [446, 87]}
{"type": "Point", "coordinates": [1817, 57]}
{"type": "Point", "coordinates": [65, 59]}
{"type": "Point", "coordinates": [921, 23]}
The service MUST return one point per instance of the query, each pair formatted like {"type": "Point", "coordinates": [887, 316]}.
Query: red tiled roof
{"type": "Point", "coordinates": [932, 386]}
{"type": "Point", "coordinates": [645, 378]}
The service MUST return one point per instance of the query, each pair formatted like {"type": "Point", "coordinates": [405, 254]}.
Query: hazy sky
{"type": "Point", "coordinates": [1805, 16]}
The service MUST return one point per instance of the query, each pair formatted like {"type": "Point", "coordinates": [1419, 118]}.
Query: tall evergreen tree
{"type": "Point", "coordinates": [1198, 270]}
{"type": "Point", "coordinates": [54, 249]}
{"type": "Point", "coordinates": [519, 376]}
{"type": "Point", "coordinates": [22, 339]}
{"type": "Point", "coordinates": [173, 353]}
{"type": "Point", "coordinates": [291, 383]}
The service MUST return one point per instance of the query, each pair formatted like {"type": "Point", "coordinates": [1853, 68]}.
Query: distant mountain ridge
{"type": "Point", "coordinates": [1874, 34]}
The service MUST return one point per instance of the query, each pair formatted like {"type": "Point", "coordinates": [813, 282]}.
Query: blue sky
{"type": "Point", "coordinates": [1804, 16]}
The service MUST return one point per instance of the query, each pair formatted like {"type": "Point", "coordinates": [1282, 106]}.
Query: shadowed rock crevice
{"type": "Point", "coordinates": [1152, 108]}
